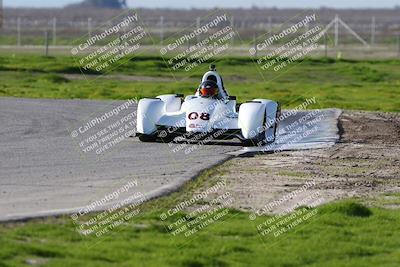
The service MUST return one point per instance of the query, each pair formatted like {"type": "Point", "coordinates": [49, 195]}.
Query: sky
{"type": "Point", "coordinates": [221, 3]}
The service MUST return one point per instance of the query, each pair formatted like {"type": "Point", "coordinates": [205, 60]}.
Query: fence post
{"type": "Point", "coordinates": [269, 23]}
{"type": "Point", "coordinates": [398, 45]}
{"type": "Point", "coordinates": [373, 27]}
{"type": "Point", "coordinates": [1, 14]}
{"type": "Point", "coordinates": [54, 31]}
{"type": "Point", "coordinates": [326, 45]}
{"type": "Point", "coordinates": [19, 31]}
{"type": "Point", "coordinates": [161, 30]}
{"type": "Point", "coordinates": [255, 45]}
{"type": "Point", "coordinates": [232, 26]}
{"type": "Point", "coordinates": [89, 27]}
{"type": "Point", "coordinates": [46, 42]}
{"type": "Point", "coordinates": [198, 26]}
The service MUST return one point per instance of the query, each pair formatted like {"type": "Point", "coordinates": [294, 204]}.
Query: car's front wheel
{"type": "Point", "coordinates": [147, 137]}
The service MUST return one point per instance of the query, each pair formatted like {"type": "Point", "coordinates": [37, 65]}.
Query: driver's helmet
{"type": "Point", "coordinates": [208, 89]}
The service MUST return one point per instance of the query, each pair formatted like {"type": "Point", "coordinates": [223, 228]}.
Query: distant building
{"type": "Point", "coordinates": [117, 4]}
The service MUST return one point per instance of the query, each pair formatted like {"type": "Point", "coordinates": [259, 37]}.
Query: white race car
{"type": "Point", "coordinates": [211, 112]}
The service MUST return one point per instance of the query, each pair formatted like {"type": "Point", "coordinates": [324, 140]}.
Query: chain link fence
{"type": "Point", "coordinates": [352, 33]}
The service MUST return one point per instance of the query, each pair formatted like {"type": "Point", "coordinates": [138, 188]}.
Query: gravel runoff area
{"type": "Point", "coordinates": [364, 164]}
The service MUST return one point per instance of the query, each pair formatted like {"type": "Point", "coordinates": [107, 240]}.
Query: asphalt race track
{"type": "Point", "coordinates": [46, 170]}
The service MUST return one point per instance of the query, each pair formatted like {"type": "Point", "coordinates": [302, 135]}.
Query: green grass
{"type": "Point", "coordinates": [360, 85]}
{"type": "Point", "coordinates": [344, 233]}
{"type": "Point", "coordinates": [341, 234]}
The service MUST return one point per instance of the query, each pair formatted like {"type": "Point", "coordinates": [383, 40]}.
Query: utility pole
{"type": "Point", "coordinates": [326, 45]}
{"type": "Point", "coordinates": [373, 27]}
{"type": "Point", "coordinates": [336, 30]}
{"type": "Point", "coordinates": [19, 31]}
{"type": "Point", "coordinates": [335, 24]}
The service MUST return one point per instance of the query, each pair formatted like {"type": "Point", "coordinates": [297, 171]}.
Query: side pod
{"type": "Point", "coordinates": [149, 112]}
{"type": "Point", "coordinates": [251, 118]}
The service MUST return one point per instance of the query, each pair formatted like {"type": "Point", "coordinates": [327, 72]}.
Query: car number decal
{"type": "Point", "coordinates": [194, 115]}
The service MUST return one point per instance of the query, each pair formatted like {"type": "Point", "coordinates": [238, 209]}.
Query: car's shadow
{"type": "Point", "coordinates": [208, 143]}
{"type": "Point", "coordinates": [199, 142]}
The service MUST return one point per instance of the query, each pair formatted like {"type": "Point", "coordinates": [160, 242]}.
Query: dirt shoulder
{"type": "Point", "coordinates": [366, 163]}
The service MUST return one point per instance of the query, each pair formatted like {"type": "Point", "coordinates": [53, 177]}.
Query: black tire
{"type": "Point", "coordinates": [278, 115]}
{"type": "Point", "coordinates": [237, 107]}
{"type": "Point", "coordinates": [147, 138]}
{"type": "Point", "coordinates": [254, 142]}
{"type": "Point", "coordinates": [249, 143]}
{"type": "Point", "coordinates": [169, 138]}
